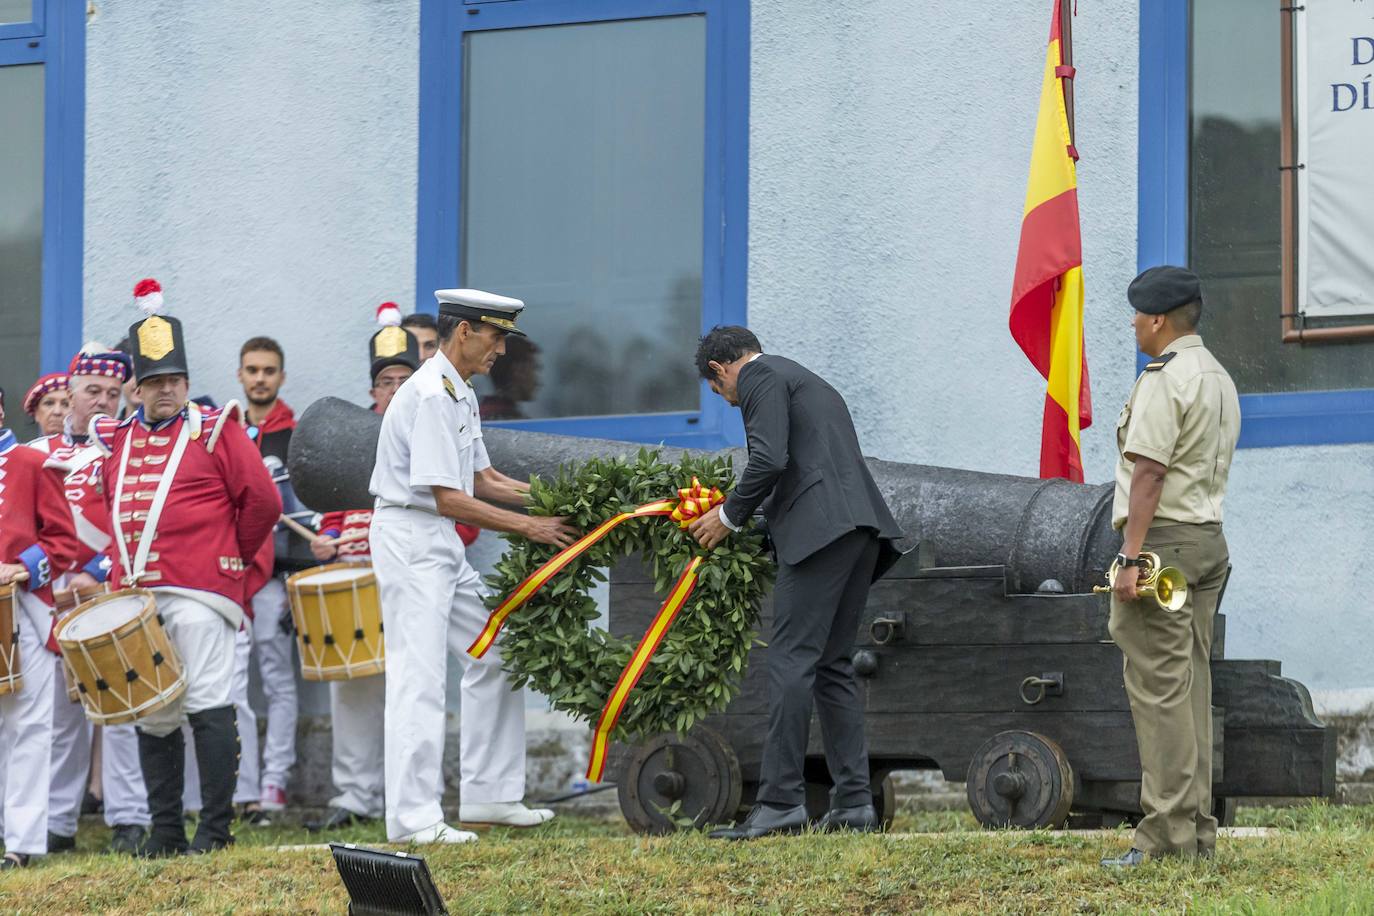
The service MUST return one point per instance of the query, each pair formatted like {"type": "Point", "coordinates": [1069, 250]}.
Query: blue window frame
{"type": "Point", "coordinates": [1292, 418]}
{"type": "Point", "coordinates": [443, 26]}
{"type": "Point", "coordinates": [56, 38]}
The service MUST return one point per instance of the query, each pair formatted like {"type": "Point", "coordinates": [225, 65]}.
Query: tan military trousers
{"type": "Point", "coordinates": [1169, 684]}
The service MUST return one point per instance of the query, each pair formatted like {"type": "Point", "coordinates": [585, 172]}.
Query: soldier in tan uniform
{"type": "Point", "coordinates": [1176, 438]}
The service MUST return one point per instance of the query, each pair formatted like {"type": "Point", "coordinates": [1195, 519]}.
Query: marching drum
{"type": "Point", "coordinates": [124, 664]}
{"type": "Point", "coordinates": [10, 675]}
{"type": "Point", "coordinates": [338, 617]}
{"type": "Point", "coordinates": [64, 602]}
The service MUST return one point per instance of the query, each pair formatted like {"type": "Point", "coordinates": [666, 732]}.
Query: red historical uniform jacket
{"type": "Point", "coordinates": [36, 526]}
{"type": "Point", "coordinates": [215, 511]}
{"type": "Point", "coordinates": [81, 464]}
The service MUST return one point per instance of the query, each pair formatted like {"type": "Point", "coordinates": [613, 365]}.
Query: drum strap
{"type": "Point", "coordinates": [135, 570]}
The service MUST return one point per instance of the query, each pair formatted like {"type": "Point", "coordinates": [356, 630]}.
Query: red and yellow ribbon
{"type": "Point", "coordinates": [691, 503]}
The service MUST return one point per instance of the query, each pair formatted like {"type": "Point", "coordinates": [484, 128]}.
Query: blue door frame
{"type": "Point", "coordinates": [1290, 418]}
{"type": "Point", "coordinates": [443, 24]}
{"type": "Point", "coordinates": [56, 38]}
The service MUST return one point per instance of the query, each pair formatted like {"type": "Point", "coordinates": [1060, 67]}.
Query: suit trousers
{"type": "Point", "coordinates": [432, 609]}
{"type": "Point", "coordinates": [1168, 676]}
{"type": "Point", "coordinates": [817, 606]}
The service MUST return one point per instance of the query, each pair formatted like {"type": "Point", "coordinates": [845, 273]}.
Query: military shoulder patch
{"type": "Point", "coordinates": [1155, 365]}
{"type": "Point", "coordinates": [448, 386]}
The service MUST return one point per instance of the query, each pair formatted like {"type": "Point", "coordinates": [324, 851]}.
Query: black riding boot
{"type": "Point", "coordinates": [217, 754]}
{"type": "Point", "coordinates": [163, 761]}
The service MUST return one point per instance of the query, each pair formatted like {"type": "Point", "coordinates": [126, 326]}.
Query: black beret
{"type": "Point", "coordinates": [1163, 289]}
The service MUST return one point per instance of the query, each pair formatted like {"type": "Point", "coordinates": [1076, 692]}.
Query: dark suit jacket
{"type": "Point", "coordinates": [805, 468]}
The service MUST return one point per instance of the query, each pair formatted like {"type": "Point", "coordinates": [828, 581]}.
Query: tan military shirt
{"type": "Point", "coordinates": [1184, 413]}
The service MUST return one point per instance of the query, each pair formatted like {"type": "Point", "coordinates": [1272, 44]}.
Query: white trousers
{"type": "Point", "coordinates": [431, 609]}
{"type": "Point", "coordinates": [273, 649]}
{"type": "Point", "coordinates": [121, 777]}
{"type": "Point", "coordinates": [246, 787]}
{"type": "Point", "coordinates": [205, 642]}
{"type": "Point", "coordinates": [71, 757]}
{"type": "Point", "coordinates": [26, 730]}
{"type": "Point", "coordinates": [357, 710]}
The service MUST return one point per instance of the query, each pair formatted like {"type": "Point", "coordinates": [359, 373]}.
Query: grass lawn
{"type": "Point", "coordinates": [1321, 860]}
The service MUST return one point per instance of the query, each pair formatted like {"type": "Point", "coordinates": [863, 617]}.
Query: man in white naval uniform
{"type": "Point", "coordinates": [432, 469]}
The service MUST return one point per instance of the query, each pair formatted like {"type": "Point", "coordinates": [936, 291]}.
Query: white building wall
{"type": "Point", "coordinates": [259, 159]}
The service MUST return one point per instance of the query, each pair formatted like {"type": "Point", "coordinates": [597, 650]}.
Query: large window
{"type": "Point", "coordinates": [596, 174]}
{"type": "Point", "coordinates": [41, 74]}
{"type": "Point", "coordinates": [1236, 227]}
{"type": "Point", "coordinates": [1209, 196]}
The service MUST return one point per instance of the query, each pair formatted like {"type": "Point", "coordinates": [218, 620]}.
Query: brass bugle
{"type": "Point", "coordinates": [1165, 584]}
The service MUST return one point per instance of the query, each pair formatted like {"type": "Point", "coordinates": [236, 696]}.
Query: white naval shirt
{"type": "Point", "coordinates": [431, 436]}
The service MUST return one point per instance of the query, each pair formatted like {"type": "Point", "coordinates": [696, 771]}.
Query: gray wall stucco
{"type": "Point", "coordinates": [260, 161]}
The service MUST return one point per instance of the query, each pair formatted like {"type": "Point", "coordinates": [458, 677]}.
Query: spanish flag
{"type": "Point", "coordinates": [1047, 293]}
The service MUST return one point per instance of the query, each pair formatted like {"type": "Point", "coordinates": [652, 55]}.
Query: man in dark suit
{"type": "Point", "coordinates": [834, 535]}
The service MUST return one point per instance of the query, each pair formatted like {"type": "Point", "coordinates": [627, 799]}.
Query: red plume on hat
{"type": "Point", "coordinates": [148, 296]}
{"type": "Point", "coordinates": [389, 314]}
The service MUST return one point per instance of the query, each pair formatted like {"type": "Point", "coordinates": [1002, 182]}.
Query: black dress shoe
{"type": "Point", "coordinates": [14, 860]}
{"type": "Point", "coordinates": [859, 818]}
{"type": "Point", "coordinates": [92, 804]}
{"type": "Point", "coordinates": [126, 839]}
{"type": "Point", "coordinates": [337, 819]}
{"type": "Point", "coordinates": [59, 843]}
{"type": "Point", "coordinates": [765, 821]}
{"type": "Point", "coordinates": [1133, 858]}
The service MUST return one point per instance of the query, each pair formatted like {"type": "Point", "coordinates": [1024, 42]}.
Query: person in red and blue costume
{"type": "Point", "coordinates": [95, 378]}
{"type": "Point", "coordinates": [37, 542]}
{"type": "Point", "coordinates": [191, 503]}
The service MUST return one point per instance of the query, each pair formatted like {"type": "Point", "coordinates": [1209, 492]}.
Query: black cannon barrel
{"type": "Point", "coordinates": [1038, 529]}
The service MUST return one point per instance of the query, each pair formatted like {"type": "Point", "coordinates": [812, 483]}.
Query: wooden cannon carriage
{"type": "Point", "coordinates": [1019, 695]}
{"type": "Point", "coordinates": [984, 653]}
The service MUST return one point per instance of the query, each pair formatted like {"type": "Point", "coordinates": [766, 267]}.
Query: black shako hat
{"type": "Point", "coordinates": [393, 345]}
{"type": "Point", "coordinates": [476, 305]}
{"type": "Point", "coordinates": [156, 343]}
{"type": "Point", "coordinates": [1163, 289]}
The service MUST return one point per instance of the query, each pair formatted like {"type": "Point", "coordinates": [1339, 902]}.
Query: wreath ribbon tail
{"type": "Point", "coordinates": [638, 664]}
{"type": "Point", "coordinates": [540, 577]}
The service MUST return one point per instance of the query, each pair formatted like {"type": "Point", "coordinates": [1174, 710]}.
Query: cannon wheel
{"type": "Point", "coordinates": [884, 798]}
{"type": "Point", "coordinates": [1020, 779]}
{"type": "Point", "coordinates": [674, 782]}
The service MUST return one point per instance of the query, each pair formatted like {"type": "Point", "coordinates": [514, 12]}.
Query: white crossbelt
{"type": "Point", "coordinates": [135, 571]}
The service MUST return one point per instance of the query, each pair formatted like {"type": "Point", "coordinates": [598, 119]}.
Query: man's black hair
{"type": "Point", "coordinates": [724, 344]}
{"type": "Point", "coordinates": [420, 320]}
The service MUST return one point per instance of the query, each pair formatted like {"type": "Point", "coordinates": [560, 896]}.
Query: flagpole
{"type": "Point", "coordinates": [1066, 51]}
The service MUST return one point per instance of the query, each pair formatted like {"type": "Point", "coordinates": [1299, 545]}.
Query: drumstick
{"type": "Point", "coordinates": [297, 527]}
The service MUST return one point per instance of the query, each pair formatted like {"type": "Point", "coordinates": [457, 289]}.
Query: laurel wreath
{"type": "Point", "coordinates": [550, 645]}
